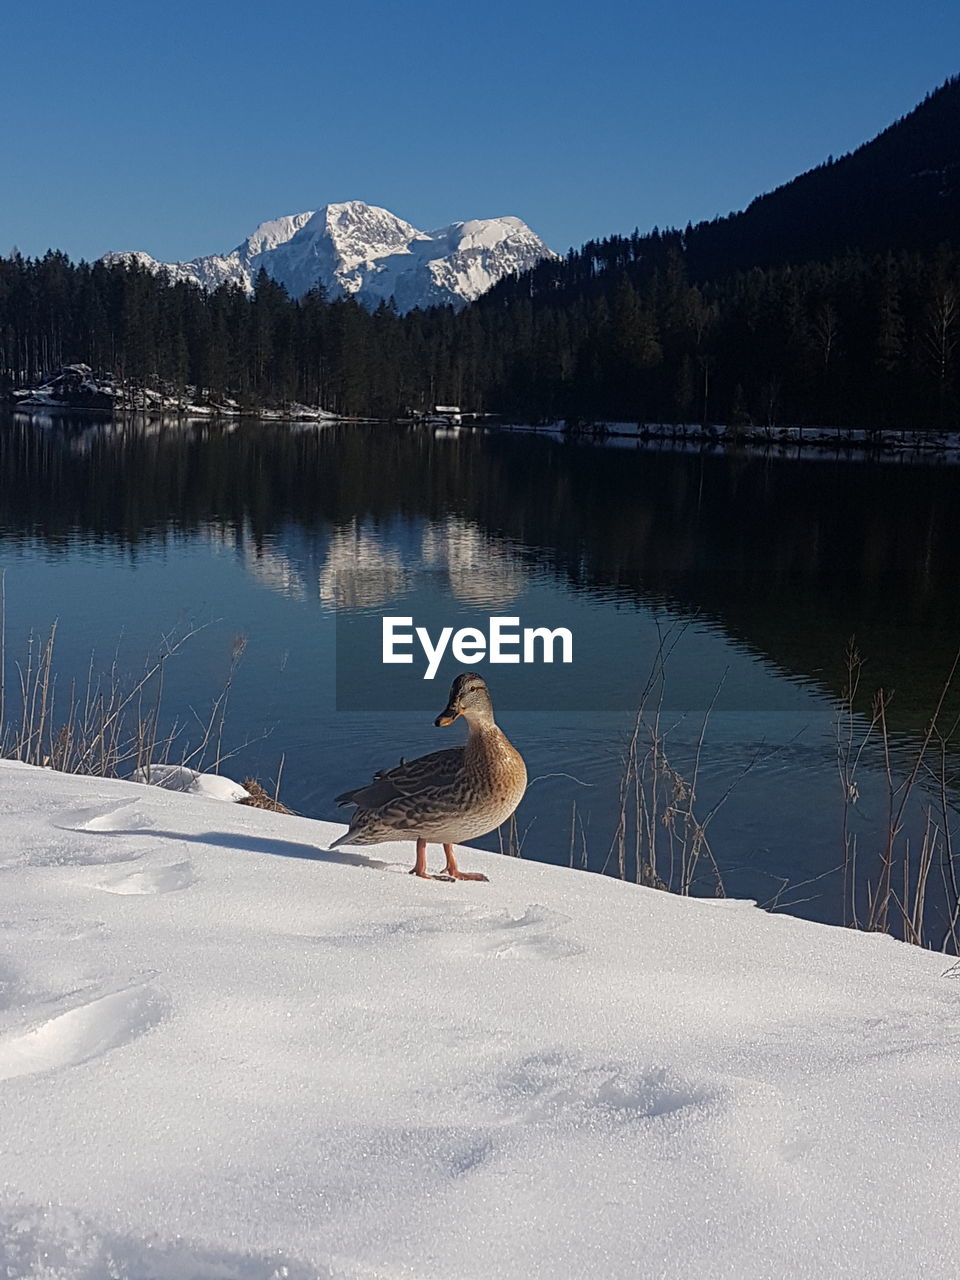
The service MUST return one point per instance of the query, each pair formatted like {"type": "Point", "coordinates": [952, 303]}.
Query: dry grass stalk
{"type": "Point", "coordinates": [512, 845]}
{"type": "Point", "coordinates": [576, 822]}
{"type": "Point", "coordinates": [898, 900]}
{"type": "Point", "coordinates": [657, 801]}
{"type": "Point", "coordinates": [108, 726]}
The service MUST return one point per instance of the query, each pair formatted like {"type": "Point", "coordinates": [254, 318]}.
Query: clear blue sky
{"type": "Point", "coordinates": [176, 127]}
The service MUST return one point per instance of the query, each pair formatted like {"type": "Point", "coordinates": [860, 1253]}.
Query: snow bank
{"type": "Point", "coordinates": [77, 388]}
{"type": "Point", "coordinates": [177, 777]}
{"type": "Point", "coordinates": [226, 1052]}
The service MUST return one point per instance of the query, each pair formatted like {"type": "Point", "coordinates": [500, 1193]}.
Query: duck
{"type": "Point", "coordinates": [446, 797]}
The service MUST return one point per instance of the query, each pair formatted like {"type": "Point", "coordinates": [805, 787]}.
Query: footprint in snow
{"type": "Point", "coordinates": [72, 1245]}
{"type": "Point", "coordinates": [127, 816]}
{"type": "Point", "coordinates": [547, 1086]}
{"type": "Point", "coordinates": [537, 933]}
{"type": "Point", "coordinates": [82, 1033]}
{"type": "Point", "coordinates": [42, 927]}
{"type": "Point", "coordinates": [102, 819]}
{"type": "Point", "coordinates": [167, 879]}
{"type": "Point", "coordinates": [56, 853]}
{"type": "Point", "coordinates": [10, 982]}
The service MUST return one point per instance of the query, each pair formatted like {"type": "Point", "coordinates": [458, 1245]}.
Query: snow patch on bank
{"type": "Point", "coordinates": [177, 777]}
{"type": "Point", "coordinates": [263, 1059]}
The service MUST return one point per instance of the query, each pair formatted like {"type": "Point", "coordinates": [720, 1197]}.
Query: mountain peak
{"type": "Point", "coordinates": [276, 231]}
{"type": "Point", "coordinates": [359, 249]}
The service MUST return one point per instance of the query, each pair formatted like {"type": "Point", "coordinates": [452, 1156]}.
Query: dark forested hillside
{"type": "Point", "coordinates": [835, 299]}
{"type": "Point", "coordinates": [900, 191]}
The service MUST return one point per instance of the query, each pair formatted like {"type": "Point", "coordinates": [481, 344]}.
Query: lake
{"type": "Point", "coordinates": [752, 571]}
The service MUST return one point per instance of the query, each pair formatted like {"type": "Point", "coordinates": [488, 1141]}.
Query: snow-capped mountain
{"type": "Point", "coordinates": [357, 248]}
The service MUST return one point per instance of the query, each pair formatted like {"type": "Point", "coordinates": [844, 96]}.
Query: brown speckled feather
{"type": "Point", "coordinates": [409, 778]}
{"type": "Point", "coordinates": [445, 797]}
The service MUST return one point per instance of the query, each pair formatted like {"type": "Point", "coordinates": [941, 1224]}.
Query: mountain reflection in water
{"type": "Point", "coordinates": [770, 564]}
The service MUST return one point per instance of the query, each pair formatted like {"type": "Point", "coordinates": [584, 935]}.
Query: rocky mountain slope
{"type": "Point", "coordinates": [360, 249]}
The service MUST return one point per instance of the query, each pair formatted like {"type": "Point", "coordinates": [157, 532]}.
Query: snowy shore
{"type": "Point", "coordinates": [76, 389]}
{"type": "Point", "coordinates": [225, 1052]}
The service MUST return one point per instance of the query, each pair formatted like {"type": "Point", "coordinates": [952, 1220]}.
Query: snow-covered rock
{"type": "Point", "coordinates": [74, 387]}
{"type": "Point", "coordinates": [360, 249]}
{"type": "Point", "coordinates": [177, 777]}
{"type": "Point", "coordinates": [228, 1052]}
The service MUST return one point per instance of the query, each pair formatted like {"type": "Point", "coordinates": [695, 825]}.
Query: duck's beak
{"type": "Point", "coordinates": [447, 716]}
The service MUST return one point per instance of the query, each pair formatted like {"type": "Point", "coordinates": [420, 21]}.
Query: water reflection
{"type": "Point", "coordinates": [481, 570]}
{"type": "Point", "coordinates": [272, 568]}
{"type": "Point", "coordinates": [362, 571]}
{"type": "Point", "coordinates": [772, 563]}
{"type": "Point", "coordinates": [789, 558]}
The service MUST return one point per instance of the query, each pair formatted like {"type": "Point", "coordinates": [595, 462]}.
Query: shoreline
{"type": "Point", "coordinates": [818, 442]}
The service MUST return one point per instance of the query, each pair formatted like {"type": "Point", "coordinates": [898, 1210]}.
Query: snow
{"type": "Point", "coordinates": [177, 777]}
{"type": "Point", "coordinates": [357, 248]}
{"type": "Point", "coordinates": [481, 233]}
{"type": "Point", "coordinates": [226, 1052]}
{"type": "Point", "coordinates": [273, 233]}
{"type": "Point", "coordinates": [76, 388]}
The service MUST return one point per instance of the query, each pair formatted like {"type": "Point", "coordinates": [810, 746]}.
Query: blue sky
{"type": "Point", "coordinates": [177, 127]}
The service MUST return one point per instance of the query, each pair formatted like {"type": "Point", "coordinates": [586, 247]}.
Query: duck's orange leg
{"type": "Point", "coordinates": [421, 867]}
{"type": "Point", "coordinates": [453, 871]}
{"type": "Point", "coordinates": [450, 872]}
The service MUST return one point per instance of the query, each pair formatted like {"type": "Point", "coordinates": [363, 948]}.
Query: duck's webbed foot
{"type": "Point", "coordinates": [420, 869]}
{"type": "Point", "coordinates": [450, 872]}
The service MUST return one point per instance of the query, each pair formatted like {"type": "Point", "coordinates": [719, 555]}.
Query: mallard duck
{"type": "Point", "coordinates": [448, 796]}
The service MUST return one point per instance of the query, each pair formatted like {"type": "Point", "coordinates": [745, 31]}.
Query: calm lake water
{"type": "Point", "coordinates": [757, 570]}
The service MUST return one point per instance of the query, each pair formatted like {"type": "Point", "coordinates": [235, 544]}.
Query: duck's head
{"type": "Point", "coordinates": [470, 698]}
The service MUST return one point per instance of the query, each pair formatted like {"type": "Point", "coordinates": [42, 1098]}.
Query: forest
{"type": "Point", "coordinates": [616, 332]}
{"type": "Point", "coordinates": [834, 300]}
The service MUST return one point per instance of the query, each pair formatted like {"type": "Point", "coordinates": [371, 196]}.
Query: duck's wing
{"type": "Point", "coordinates": [409, 778]}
